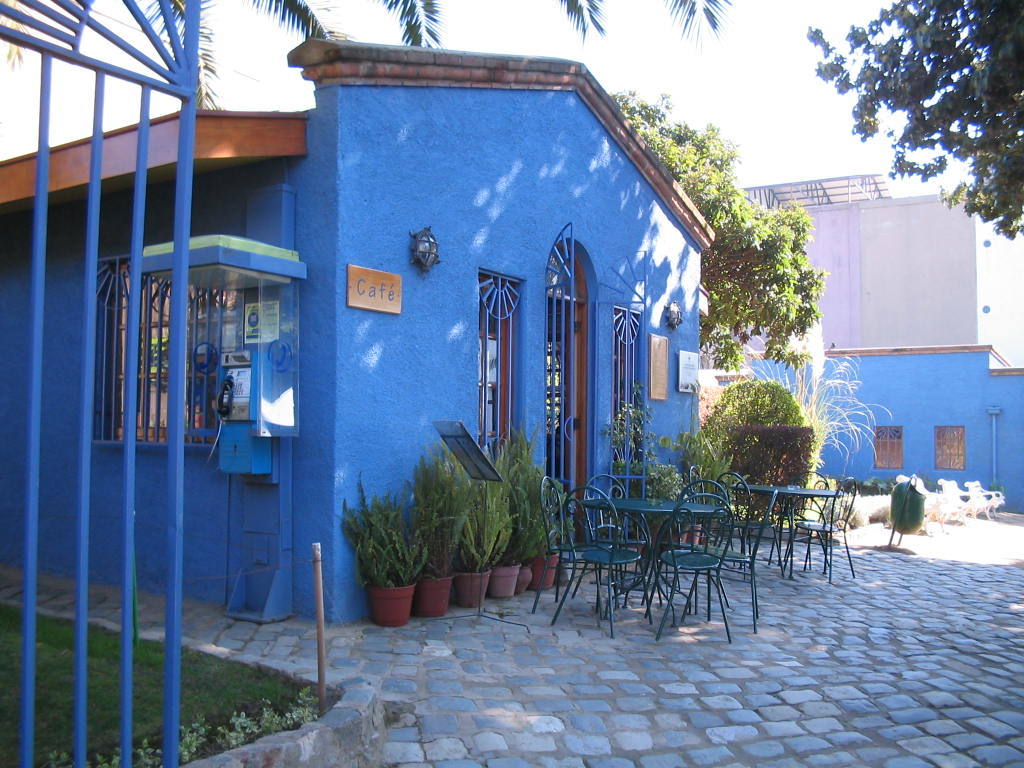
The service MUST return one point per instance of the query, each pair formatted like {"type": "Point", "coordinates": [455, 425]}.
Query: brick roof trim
{"type": "Point", "coordinates": [342, 63]}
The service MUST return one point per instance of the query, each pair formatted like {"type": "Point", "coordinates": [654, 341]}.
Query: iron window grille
{"type": "Point", "coordinates": [888, 447]}
{"type": "Point", "coordinates": [499, 300]}
{"type": "Point", "coordinates": [628, 432]}
{"type": "Point", "coordinates": [206, 310]}
{"type": "Point", "coordinates": [950, 448]}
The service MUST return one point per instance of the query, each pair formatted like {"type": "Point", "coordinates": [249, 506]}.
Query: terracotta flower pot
{"type": "Point", "coordinates": [432, 597]}
{"type": "Point", "coordinates": [503, 581]}
{"type": "Point", "coordinates": [524, 578]}
{"type": "Point", "coordinates": [537, 568]}
{"type": "Point", "coordinates": [391, 606]}
{"type": "Point", "coordinates": [470, 588]}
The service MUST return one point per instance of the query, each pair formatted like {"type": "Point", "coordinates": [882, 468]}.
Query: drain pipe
{"type": "Point", "coordinates": [994, 411]}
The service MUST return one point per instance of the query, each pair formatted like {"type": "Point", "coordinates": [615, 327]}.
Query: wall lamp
{"type": "Point", "coordinates": [673, 316]}
{"type": "Point", "coordinates": [424, 249]}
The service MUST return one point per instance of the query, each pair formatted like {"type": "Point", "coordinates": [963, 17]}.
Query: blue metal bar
{"type": "Point", "coordinates": [33, 23]}
{"type": "Point", "coordinates": [73, 57]}
{"type": "Point", "coordinates": [48, 11]}
{"type": "Point", "coordinates": [154, 39]}
{"type": "Point", "coordinates": [131, 50]}
{"type": "Point", "coordinates": [88, 363]}
{"type": "Point", "coordinates": [131, 384]}
{"type": "Point", "coordinates": [171, 28]}
{"type": "Point", "coordinates": [176, 393]}
{"type": "Point", "coordinates": [33, 427]}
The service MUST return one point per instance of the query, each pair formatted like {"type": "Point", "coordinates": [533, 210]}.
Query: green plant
{"type": "Point", "coordinates": [830, 405]}
{"type": "Point", "coordinates": [522, 479]}
{"type": "Point", "coordinates": [441, 493]}
{"type": "Point", "coordinates": [772, 455]}
{"type": "Point", "coordinates": [629, 434]}
{"type": "Point", "coordinates": [488, 528]}
{"type": "Point", "coordinates": [386, 553]}
{"type": "Point", "coordinates": [663, 481]}
{"type": "Point", "coordinates": [697, 450]}
{"type": "Point", "coordinates": [752, 402]}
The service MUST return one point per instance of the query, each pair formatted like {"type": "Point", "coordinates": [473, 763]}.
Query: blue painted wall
{"type": "Point", "coordinates": [497, 174]}
{"type": "Point", "coordinates": [923, 391]}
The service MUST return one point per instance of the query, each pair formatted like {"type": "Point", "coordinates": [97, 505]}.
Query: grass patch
{"type": "Point", "coordinates": [211, 688]}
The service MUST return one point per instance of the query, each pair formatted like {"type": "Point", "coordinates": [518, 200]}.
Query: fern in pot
{"type": "Point", "coordinates": [388, 558]}
{"type": "Point", "coordinates": [526, 541]}
{"type": "Point", "coordinates": [485, 536]}
{"type": "Point", "coordinates": [441, 494]}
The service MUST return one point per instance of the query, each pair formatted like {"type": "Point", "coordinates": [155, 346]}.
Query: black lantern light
{"type": "Point", "coordinates": [424, 249]}
{"type": "Point", "coordinates": [673, 316]}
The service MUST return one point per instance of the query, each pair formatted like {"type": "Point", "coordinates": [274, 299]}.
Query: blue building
{"type": "Point", "coordinates": [950, 412]}
{"type": "Point", "coordinates": [568, 272]}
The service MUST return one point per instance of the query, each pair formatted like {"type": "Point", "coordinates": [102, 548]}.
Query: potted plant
{"type": "Point", "coordinates": [522, 481]}
{"type": "Point", "coordinates": [387, 558]}
{"type": "Point", "coordinates": [441, 495]}
{"type": "Point", "coordinates": [485, 536]}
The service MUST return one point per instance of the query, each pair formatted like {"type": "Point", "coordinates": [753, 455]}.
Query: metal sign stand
{"type": "Point", "coordinates": [479, 467]}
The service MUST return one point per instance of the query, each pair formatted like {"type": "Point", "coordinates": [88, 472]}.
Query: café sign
{"type": "Point", "coordinates": [374, 290]}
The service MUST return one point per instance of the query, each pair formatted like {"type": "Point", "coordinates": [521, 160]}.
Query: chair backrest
{"type": "Point", "coordinates": [609, 484]}
{"type": "Point", "coordinates": [698, 527]}
{"type": "Point", "coordinates": [703, 486]}
{"type": "Point", "coordinates": [608, 527]}
{"type": "Point", "coordinates": [736, 488]}
{"type": "Point", "coordinates": [846, 501]}
{"type": "Point", "coordinates": [818, 481]}
{"type": "Point", "coordinates": [950, 488]}
{"type": "Point", "coordinates": [552, 503]}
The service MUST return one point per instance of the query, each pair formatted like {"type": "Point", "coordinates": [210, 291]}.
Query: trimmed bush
{"type": "Point", "coordinates": [752, 402]}
{"type": "Point", "coordinates": [771, 455]}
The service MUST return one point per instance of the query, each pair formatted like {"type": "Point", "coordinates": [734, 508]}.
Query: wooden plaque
{"type": "Point", "coordinates": [657, 388]}
{"type": "Point", "coordinates": [374, 290]}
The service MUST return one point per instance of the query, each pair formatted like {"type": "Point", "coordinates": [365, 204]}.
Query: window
{"type": "Point", "coordinates": [625, 329]}
{"type": "Point", "coordinates": [949, 448]}
{"type": "Point", "coordinates": [888, 447]}
{"type": "Point", "coordinates": [499, 299]}
{"type": "Point", "coordinates": [206, 308]}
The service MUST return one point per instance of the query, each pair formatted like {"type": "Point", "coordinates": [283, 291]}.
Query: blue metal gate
{"type": "Point", "coordinates": [162, 59]}
{"type": "Point", "coordinates": [564, 362]}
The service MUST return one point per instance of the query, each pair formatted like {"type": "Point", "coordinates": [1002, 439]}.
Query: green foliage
{"type": "Point", "coordinates": [758, 277]}
{"type": "Point", "coordinates": [630, 435]}
{"type": "Point", "coordinates": [771, 455]}
{"type": "Point", "coordinates": [663, 481]}
{"type": "Point", "coordinates": [954, 73]}
{"type": "Point", "coordinates": [488, 527]}
{"type": "Point", "coordinates": [387, 554]}
{"type": "Point", "coordinates": [751, 401]}
{"type": "Point", "coordinates": [522, 479]}
{"type": "Point", "coordinates": [195, 740]}
{"type": "Point", "coordinates": [830, 405]}
{"type": "Point", "coordinates": [697, 450]}
{"type": "Point", "coordinates": [441, 493]}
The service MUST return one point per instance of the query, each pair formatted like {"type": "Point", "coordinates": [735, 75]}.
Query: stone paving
{"type": "Point", "coordinates": [919, 661]}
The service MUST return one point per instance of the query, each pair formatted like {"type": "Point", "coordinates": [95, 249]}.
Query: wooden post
{"type": "Point", "coordinates": [321, 646]}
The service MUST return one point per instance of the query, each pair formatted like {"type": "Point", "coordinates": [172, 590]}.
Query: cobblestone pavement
{"type": "Point", "coordinates": [919, 661]}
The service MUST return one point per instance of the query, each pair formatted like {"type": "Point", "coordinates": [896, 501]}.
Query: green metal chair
{"type": "Point", "coordinates": [613, 550]}
{"type": "Point", "coordinates": [740, 557]}
{"type": "Point", "coordinates": [834, 520]}
{"type": "Point", "coordinates": [691, 544]}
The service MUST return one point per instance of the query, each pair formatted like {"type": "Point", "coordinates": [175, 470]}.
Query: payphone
{"type": "Point", "coordinates": [244, 373]}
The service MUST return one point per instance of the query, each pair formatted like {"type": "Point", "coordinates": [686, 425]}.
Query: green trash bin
{"type": "Point", "coordinates": [906, 508]}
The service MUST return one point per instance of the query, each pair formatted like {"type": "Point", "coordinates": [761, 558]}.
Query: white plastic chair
{"type": "Point", "coordinates": [953, 500]}
{"type": "Point", "coordinates": [983, 501]}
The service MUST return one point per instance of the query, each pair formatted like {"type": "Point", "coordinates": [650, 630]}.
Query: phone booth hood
{"type": "Point", "coordinates": [244, 309]}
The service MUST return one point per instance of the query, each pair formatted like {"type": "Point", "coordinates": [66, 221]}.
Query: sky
{"type": "Point", "coordinates": [755, 81]}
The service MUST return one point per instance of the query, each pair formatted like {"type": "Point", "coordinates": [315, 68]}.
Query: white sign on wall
{"type": "Point", "coordinates": [689, 367]}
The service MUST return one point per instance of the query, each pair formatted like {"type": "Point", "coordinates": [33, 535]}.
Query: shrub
{"type": "Point", "coordinates": [441, 492]}
{"type": "Point", "coordinates": [771, 455]}
{"type": "Point", "coordinates": [488, 527]}
{"type": "Point", "coordinates": [696, 450]}
{"type": "Point", "coordinates": [663, 481]}
{"type": "Point", "coordinates": [386, 553]}
{"type": "Point", "coordinates": [749, 403]}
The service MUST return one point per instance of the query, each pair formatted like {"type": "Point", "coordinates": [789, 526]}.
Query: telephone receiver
{"type": "Point", "coordinates": [226, 397]}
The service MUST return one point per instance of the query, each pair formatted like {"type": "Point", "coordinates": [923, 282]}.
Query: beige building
{"type": "Point", "coordinates": [907, 271]}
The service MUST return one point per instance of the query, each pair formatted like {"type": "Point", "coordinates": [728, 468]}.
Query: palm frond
{"type": "Point", "coordinates": [585, 15]}
{"type": "Point", "coordinates": [206, 95]}
{"type": "Point", "coordinates": [696, 15]}
{"type": "Point", "coordinates": [421, 21]}
{"type": "Point", "coordinates": [294, 16]}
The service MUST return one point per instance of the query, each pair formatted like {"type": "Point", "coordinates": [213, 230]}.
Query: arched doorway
{"type": "Point", "coordinates": [566, 361]}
